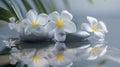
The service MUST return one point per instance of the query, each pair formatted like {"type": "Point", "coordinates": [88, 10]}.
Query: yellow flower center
{"type": "Point", "coordinates": [94, 50]}
{"type": "Point", "coordinates": [34, 24]}
{"type": "Point", "coordinates": [60, 23]}
{"type": "Point", "coordinates": [35, 59]}
{"type": "Point", "coordinates": [59, 56]}
{"type": "Point", "coordinates": [94, 28]}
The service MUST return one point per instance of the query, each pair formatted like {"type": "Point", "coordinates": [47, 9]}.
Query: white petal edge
{"type": "Point", "coordinates": [42, 19]}
{"type": "Point", "coordinates": [98, 45]}
{"type": "Point", "coordinates": [70, 64]}
{"type": "Point", "coordinates": [92, 20]}
{"type": "Point", "coordinates": [104, 51]}
{"type": "Point", "coordinates": [32, 15]}
{"type": "Point", "coordinates": [54, 16]}
{"type": "Point", "coordinates": [50, 26]}
{"type": "Point", "coordinates": [91, 57]}
{"type": "Point", "coordinates": [70, 27]}
{"type": "Point", "coordinates": [26, 21]}
{"type": "Point", "coordinates": [66, 15]}
{"type": "Point", "coordinates": [99, 35]}
{"type": "Point", "coordinates": [103, 26]}
{"type": "Point", "coordinates": [58, 36]}
{"type": "Point", "coordinates": [86, 27]}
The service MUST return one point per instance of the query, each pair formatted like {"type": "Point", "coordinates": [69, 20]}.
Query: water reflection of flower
{"type": "Point", "coordinates": [21, 56]}
{"type": "Point", "coordinates": [59, 56]}
{"type": "Point", "coordinates": [32, 59]}
{"type": "Point", "coordinates": [93, 52]}
{"type": "Point", "coordinates": [97, 51]}
{"type": "Point", "coordinates": [38, 61]}
{"type": "Point", "coordinates": [81, 52]}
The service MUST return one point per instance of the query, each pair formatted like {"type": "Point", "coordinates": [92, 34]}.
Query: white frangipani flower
{"type": "Point", "coordinates": [9, 43]}
{"type": "Point", "coordinates": [95, 26]}
{"type": "Point", "coordinates": [97, 51]}
{"type": "Point", "coordinates": [61, 21]}
{"type": "Point", "coordinates": [34, 22]}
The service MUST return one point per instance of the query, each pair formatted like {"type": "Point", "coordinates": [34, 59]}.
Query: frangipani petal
{"type": "Point", "coordinates": [59, 34]}
{"type": "Point", "coordinates": [92, 57]}
{"type": "Point", "coordinates": [38, 62]}
{"type": "Point", "coordinates": [54, 16]}
{"type": "Point", "coordinates": [103, 27]}
{"type": "Point", "coordinates": [50, 26]}
{"type": "Point", "coordinates": [12, 41]}
{"type": "Point", "coordinates": [70, 27]}
{"type": "Point", "coordinates": [86, 27]}
{"type": "Point", "coordinates": [42, 19]}
{"type": "Point", "coordinates": [96, 51]}
{"type": "Point", "coordinates": [104, 50]}
{"type": "Point", "coordinates": [92, 20]}
{"type": "Point", "coordinates": [66, 15]}
{"type": "Point", "coordinates": [32, 15]}
{"type": "Point", "coordinates": [27, 31]}
{"type": "Point", "coordinates": [98, 45]}
{"type": "Point", "coordinates": [26, 21]}
{"type": "Point", "coordinates": [99, 35]}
